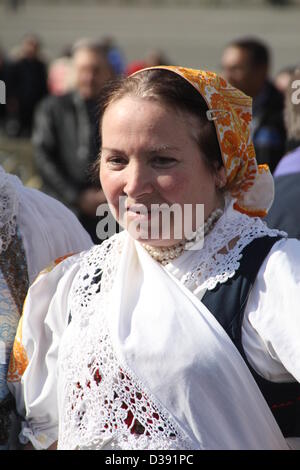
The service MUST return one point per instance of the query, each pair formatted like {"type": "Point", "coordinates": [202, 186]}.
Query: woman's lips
{"type": "Point", "coordinates": [139, 215]}
{"type": "Point", "coordinates": [141, 220]}
{"type": "Point", "coordinates": [139, 211]}
{"type": "Point", "coordinates": [142, 212]}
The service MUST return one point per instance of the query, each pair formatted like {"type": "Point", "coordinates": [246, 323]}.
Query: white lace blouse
{"type": "Point", "coordinates": [272, 312]}
{"type": "Point", "coordinates": [48, 228]}
{"type": "Point", "coordinates": [123, 366]}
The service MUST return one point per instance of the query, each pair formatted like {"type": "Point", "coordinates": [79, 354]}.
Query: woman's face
{"type": "Point", "coordinates": [149, 156]}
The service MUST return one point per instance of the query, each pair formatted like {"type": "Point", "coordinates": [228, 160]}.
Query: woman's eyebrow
{"type": "Point", "coordinates": [110, 149]}
{"type": "Point", "coordinates": [161, 148]}
{"type": "Point", "coordinates": [149, 150]}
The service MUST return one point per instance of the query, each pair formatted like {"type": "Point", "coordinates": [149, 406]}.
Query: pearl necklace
{"type": "Point", "coordinates": [165, 254]}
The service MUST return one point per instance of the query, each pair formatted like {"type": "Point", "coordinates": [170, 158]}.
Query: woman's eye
{"type": "Point", "coordinates": [163, 161]}
{"type": "Point", "coordinates": [116, 161]}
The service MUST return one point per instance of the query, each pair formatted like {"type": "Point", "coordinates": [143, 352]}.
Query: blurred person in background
{"type": "Point", "coordinates": [285, 212]}
{"type": "Point", "coordinates": [156, 57]}
{"type": "Point", "coordinates": [153, 58]}
{"type": "Point", "coordinates": [34, 231]}
{"type": "Point", "coordinates": [283, 77]}
{"type": "Point", "coordinates": [61, 76]}
{"type": "Point", "coordinates": [6, 75]}
{"type": "Point", "coordinates": [29, 88]}
{"type": "Point", "coordinates": [3, 78]}
{"type": "Point", "coordinates": [65, 136]}
{"type": "Point", "coordinates": [114, 55]}
{"type": "Point", "coordinates": [14, 5]}
{"type": "Point", "coordinates": [245, 64]}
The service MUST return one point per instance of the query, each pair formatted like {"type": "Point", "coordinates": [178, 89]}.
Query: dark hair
{"type": "Point", "coordinates": [169, 88]}
{"type": "Point", "coordinates": [259, 52]}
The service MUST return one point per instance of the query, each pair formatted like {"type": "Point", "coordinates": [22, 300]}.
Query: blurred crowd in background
{"type": "Point", "coordinates": [54, 106]}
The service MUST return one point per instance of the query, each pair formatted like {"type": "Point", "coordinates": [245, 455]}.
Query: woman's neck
{"type": "Point", "coordinates": [166, 254]}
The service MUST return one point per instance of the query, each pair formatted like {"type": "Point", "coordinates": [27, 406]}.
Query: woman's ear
{"type": "Point", "coordinates": [220, 177]}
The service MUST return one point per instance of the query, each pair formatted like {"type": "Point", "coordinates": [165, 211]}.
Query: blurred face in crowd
{"type": "Point", "coordinates": [150, 155]}
{"type": "Point", "coordinates": [30, 47]}
{"type": "Point", "coordinates": [282, 81]}
{"type": "Point", "coordinates": [91, 71]}
{"type": "Point", "coordinates": [239, 71]}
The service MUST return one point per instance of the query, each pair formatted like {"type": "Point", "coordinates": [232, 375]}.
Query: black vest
{"type": "Point", "coordinates": [227, 303]}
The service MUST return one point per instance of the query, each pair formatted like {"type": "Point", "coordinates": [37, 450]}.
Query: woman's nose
{"type": "Point", "coordinates": [138, 180]}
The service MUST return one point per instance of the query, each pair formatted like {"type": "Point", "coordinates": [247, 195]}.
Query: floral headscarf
{"type": "Point", "coordinates": [250, 184]}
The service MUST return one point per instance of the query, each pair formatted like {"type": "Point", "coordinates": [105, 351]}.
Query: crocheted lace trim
{"type": "Point", "coordinates": [8, 211]}
{"type": "Point", "coordinates": [221, 254]}
{"type": "Point", "coordinates": [106, 405]}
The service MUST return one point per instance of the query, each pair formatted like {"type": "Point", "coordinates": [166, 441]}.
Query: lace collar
{"type": "Point", "coordinates": [219, 256]}
{"type": "Point", "coordinates": [216, 260]}
{"type": "Point", "coordinates": [9, 205]}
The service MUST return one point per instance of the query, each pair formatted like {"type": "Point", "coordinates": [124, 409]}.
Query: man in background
{"type": "Point", "coordinates": [3, 78]}
{"type": "Point", "coordinates": [245, 64]}
{"type": "Point", "coordinates": [66, 138]}
{"type": "Point", "coordinates": [29, 86]}
{"type": "Point", "coordinates": [285, 211]}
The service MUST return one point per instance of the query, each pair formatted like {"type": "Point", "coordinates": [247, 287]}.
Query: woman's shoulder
{"type": "Point", "coordinates": [62, 264]}
{"type": "Point", "coordinates": [71, 263]}
{"type": "Point", "coordinates": [285, 249]}
{"type": "Point", "coordinates": [282, 262]}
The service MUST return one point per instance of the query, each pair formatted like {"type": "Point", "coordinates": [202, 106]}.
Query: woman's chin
{"type": "Point", "coordinates": [141, 229]}
{"type": "Point", "coordinates": [162, 243]}
{"type": "Point", "coordinates": [157, 242]}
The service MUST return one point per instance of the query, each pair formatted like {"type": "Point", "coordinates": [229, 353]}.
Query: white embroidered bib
{"type": "Point", "coordinates": [104, 404]}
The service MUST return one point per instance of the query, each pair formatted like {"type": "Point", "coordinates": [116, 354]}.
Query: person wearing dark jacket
{"type": "Point", "coordinates": [30, 85]}
{"type": "Point", "coordinates": [6, 91]}
{"type": "Point", "coordinates": [245, 64]}
{"type": "Point", "coordinates": [65, 137]}
{"type": "Point", "coordinates": [2, 90]}
{"type": "Point", "coordinates": [285, 211]}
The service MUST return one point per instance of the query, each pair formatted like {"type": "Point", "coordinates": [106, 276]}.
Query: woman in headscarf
{"type": "Point", "coordinates": [188, 340]}
{"type": "Point", "coordinates": [35, 229]}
